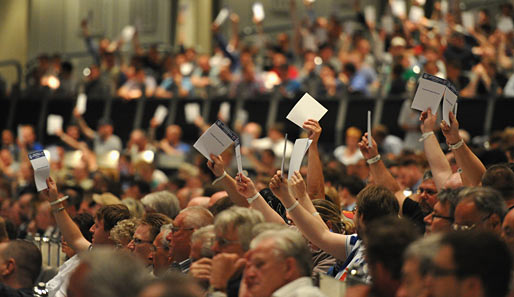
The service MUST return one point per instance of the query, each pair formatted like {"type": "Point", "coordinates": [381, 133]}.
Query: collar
{"type": "Point", "coordinates": [293, 286]}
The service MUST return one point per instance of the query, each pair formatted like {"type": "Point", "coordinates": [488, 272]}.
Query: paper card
{"type": "Point", "coordinates": [41, 168]}
{"type": "Point", "coordinates": [306, 108]}
{"type": "Point", "coordinates": [20, 135]}
{"type": "Point", "coordinates": [241, 116]}
{"type": "Point", "coordinates": [160, 114]}
{"type": "Point", "coordinates": [399, 8]}
{"type": "Point", "coordinates": [239, 162]}
{"type": "Point", "coordinates": [215, 140]}
{"type": "Point", "coordinates": [246, 139]}
{"type": "Point", "coordinates": [224, 112]}
{"type": "Point", "coordinates": [449, 101]}
{"type": "Point", "coordinates": [283, 156]}
{"type": "Point", "coordinates": [301, 145]}
{"type": "Point", "coordinates": [81, 103]}
{"type": "Point", "coordinates": [222, 16]}
{"type": "Point", "coordinates": [370, 14]}
{"type": "Point", "coordinates": [369, 129]}
{"type": "Point", "coordinates": [468, 19]}
{"type": "Point", "coordinates": [388, 24]}
{"type": "Point", "coordinates": [429, 93]}
{"type": "Point", "coordinates": [258, 11]}
{"type": "Point", "coordinates": [128, 33]}
{"type": "Point", "coordinates": [416, 13]}
{"type": "Point", "coordinates": [192, 111]}
{"type": "Point", "coordinates": [53, 124]}
{"type": "Point", "coordinates": [455, 109]}
{"type": "Point", "coordinates": [444, 6]}
{"type": "Point", "coordinates": [505, 24]}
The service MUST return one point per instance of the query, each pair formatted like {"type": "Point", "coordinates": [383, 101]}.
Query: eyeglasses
{"type": "Point", "coordinates": [138, 241]}
{"type": "Point", "coordinates": [224, 242]}
{"type": "Point", "coordinates": [176, 229]}
{"type": "Point", "coordinates": [434, 215]}
{"type": "Point", "coordinates": [437, 271]}
{"type": "Point", "coordinates": [458, 227]}
{"type": "Point", "coordinates": [426, 190]}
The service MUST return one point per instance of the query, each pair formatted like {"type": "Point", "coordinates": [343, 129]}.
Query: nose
{"type": "Point", "coordinates": [169, 236]}
{"type": "Point", "coordinates": [428, 219]}
{"type": "Point", "coordinates": [131, 246]}
{"type": "Point", "coordinates": [92, 229]}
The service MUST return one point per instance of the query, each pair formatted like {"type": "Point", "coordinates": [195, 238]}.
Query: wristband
{"type": "Point", "coordinates": [58, 210]}
{"type": "Point", "coordinates": [425, 135]}
{"type": "Point", "coordinates": [373, 160]}
{"type": "Point", "coordinates": [219, 178]}
{"type": "Point", "coordinates": [292, 207]}
{"type": "Point", "coordinates": [457, 145]}
{"type": "Point", "coordinates": [252, 199]}
{"type": "Point", "coordinates": [62, 199]}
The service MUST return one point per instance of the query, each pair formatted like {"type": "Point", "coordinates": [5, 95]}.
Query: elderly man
{"type": "Point", "coordinates": [442, 216]}
{"type": "Point", "coordinates": [160, 251]}
{"type": "Point", "coordinates": [142, 241]}
{"type": "Point", "coordinates": [470, 263]}
{"type": "Point", "coordinates": [279, 263]}
{"type": "Point", "coordinates": [20, 265]}
{"type": "Point", "coordinates": [186, 222]}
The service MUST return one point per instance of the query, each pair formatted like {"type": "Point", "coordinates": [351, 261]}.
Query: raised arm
{"type": "Point", "coordinates": [315, 179]}
{"type": "Point", "coordinates": [472, 167]}
{"type": "Point", "coordinates": [298, 190]}
{"type": "Point", "coordinates": [246, 188]}
{"type": "Point", "coordinates": [228, 183]}
{"type": "Point", "coordinates": [70, 231]}
{"type": "Point", "coordinates": [439, 165]}
{"type": "Point", "coordinates": [90, 133]}
{"type": "Point", "coordinates": [312, 228]}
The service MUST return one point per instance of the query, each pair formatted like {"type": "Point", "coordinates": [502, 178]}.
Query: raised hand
{"type": "Point", "coordinates": [278, 186]}
{"type": "Point", "coordinates": [451, 131]}
{"type": "Point", "coordinates": [297, 186]}
{"type": "Point", "coordinates": [314, 129]}
{"type": "Point", "coordinates": [368, 152]}
{"type": "Point", "coordinates": [245, 186]}
{"type": "Point", "coordinates": [52, 191]}
{"type": "Point", "coordinates": [427, 121]}
{"type": "Point", "coordinates": [216, 165]}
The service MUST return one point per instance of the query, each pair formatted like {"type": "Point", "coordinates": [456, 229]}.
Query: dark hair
{"type": "Point", "coordinates": [386, 239]}
{"type": "Point", "coordinates": [329, 212]}
{"type": "Point", "coordinates": [482, 254]}
{"type": "Point", "coordinates": [374, 202]}
{"type": "Point", "coordinates": [450, 196]}
{"type": "Point", "coordinates": [352, 183]}
{"type": "Point", "coordinates": [112, 214]}
{"type": "Point", "coordinates": [155, 220]}
{"type": "Point", "coordinates": [501, 178]}
{"type": "Point", "coordinates": [28, 260]}
{"type": "Point", "coordinates": [84, 221]}
{"type": "Point", "coordinates": [221, 205]}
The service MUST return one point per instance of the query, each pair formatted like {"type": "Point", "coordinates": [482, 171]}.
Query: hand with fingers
{"type": "Point", "coordinates": [279, 187]}
{"type": "Point", "coordinates": [427, 121]}
{"type": "Point", "coordinates": [314, 129]}
{"type": "Point", "coordinates": [297, 186]}
{"type": "Point", "coordinates": [368, 152]}
{"type": "Point", "coordinates": [245, 186]}
{"type": "Point", "coordinates": [216, 165]}
{"type": "Point", "coordinates": [451, 130]}
{"type": "Point", "coordinates": [201, 269]}
{"type": "Point", "coordinates": [52, 192]}
{"type": "Point", "coordinates": [224, 266]}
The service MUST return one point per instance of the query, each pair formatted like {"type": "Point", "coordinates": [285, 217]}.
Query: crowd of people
{"type": "Point", "coordinates": [381, 215]}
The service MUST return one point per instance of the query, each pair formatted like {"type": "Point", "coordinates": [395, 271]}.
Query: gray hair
{"type": "Point", "coordinates": [136, 208]}
{"type": "Point", "coordinates": [486, 199]}
{"type": "Point", "coordinates": [427, 175]}
{"type": "Point", "coordinates": [423, 250]}
{"type": "Point", "coordinates": [114, 273]}
{"type": "Point", "coordinates": [163, 202]}
{"type": "Point", "coordinates": [288, 243]}
{"type": "Point", "coordinates": [240, 218]}
{"type": "Point", "coordinates": [266, 226]}
{"type": "Point", "coordinates": [165, 230]}
{"type": "Point", "coordinates": [206, 236]}
{"type": "Point", "coordinates": [197, 217]}
{"type": "Point", "coordinates": [450, 196]}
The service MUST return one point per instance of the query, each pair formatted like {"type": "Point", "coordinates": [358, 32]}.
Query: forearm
{"type": "Point", "coordinates": [70, 141]}
{"type": "Point", "coordinates": [70, 231]}
{"type": "Point", "coordinates": [306, 202]}
{"type": "Point", "coordinates": [230, 185]}
{"type": "Point", "coordinates": [472, 167]}
{"type": "Point", "coordinates": [437, 161]}
{"type": "Point", "coordinates": [383, 177]}
{"type": "Point", "coordinates": [85, 128]}
{"type": "Point", "coordinates": [269, 214]}
{"type": "Point", "coordinates": [315, 180]}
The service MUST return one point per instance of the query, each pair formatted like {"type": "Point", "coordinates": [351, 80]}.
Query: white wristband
{"type": "Point", "coordinates": [292, 207]}
{"type": "Point", "coordinates": [424, 136]}
{"type": "Point", "coordinates": [252, 199]}
{"type": "Point", "coordinates": [219, 178]}
{"type": "Point", "coordinates": [457, 145]}
{"type": "Point", "coordinates": [62, 199]}
{"type": "Point", "coordinates": [373, 160]}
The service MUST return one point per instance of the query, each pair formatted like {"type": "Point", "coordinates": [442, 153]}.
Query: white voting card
{"type": "Point", "coordinates": [369, 128]}
{"type": "Point", "coordinates": [224, 111]}
{"type": "Point", "coordinates": [81, 103]}
{"type": "Point", "coordinates": [301, 145]}
{"type": "Point", "coordinates": [449, 101]}
{"type": "Point", "coordinates": [388, 23]}
{"type": "Point", "coordinates": [258, 11]}
{"type": "Point", "coordinates": [160, 113]}
{"type": "Point", "coordinates": [283, 156]}
{"type": "Point", "coordinates": [468, 19]}
{"type": "Point", "coordinates": [429, 93]}
{"type": "Point", "coordinates": [398, 8]}
{"type": "Point", "coordinates": [370, 14]}
{"type": "Point", "coordinates": [41, 169]}
{"type": "Point", "coordinates": [222, 16]}
{"type": "Point", "coordinates": [306, 108]}
{"type": "Point", "coordinates": [128, 33]}
{"type": "Point", "coordinates": [53, 124]}
{"type": "Point", "coordinates": [237, 144]}
{"type": "Point", "coordinates": [192, 111]}
{"type": "Point", "coordinates": [416, 13]}
{"type": "Point", "coordinates": [215, 140]}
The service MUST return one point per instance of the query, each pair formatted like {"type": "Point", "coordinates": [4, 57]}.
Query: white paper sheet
{"type": "Point", "coordinates": [241, 116]}
{"type": "Point", "coordinates": [239, 162]}
{"type": "Point", "coordinates": [246, 139]}
{"type": "Point", "coordinates": [222, 16]}
{"type": "Point", "coordinates": [258, 11]}
{"type": "Point", "coordinates": [416, 13]}
{"type": "Point", "coordinates": [455, 109]}
{"type": "Point", "coordinates": [20, 135]}
{"type": "Point", "coordinates": [306, 108]}
{"type": "Point", "coordinates": [283, 156]}
{"type": "Point", "coordinates": [388, 24]}
{"type": "Point", "coordinates": [41, 168]}
{"type": "Point", "coordinates": [301, 145]}
{"type": "Point", "coordinates": [81, 103]}
{"type": "Point", "coordinates": [369, 129]}
{"type": "Point", "coordinates": [468, 19]}
{"type": "Point", "coordinates": [128, 33]}
{"type": "Point", "coordinates": [399, 8]}
{"type": "Point", "coordinates": [53, 124]}
{"type": "Point", "coordinates": [449, 101]}
{"type": "Point", "coordinates": [224, 111]}
{"type": "Point", "coordinates": [429, 93]}
{"type": "Point", "coordinates": [215, 140]}
{"type": "Point", "coordinates": [160, 114]}
{"type": "Point", "coordinates": [192, 111]}
{"type": "Point", "coordinates": [444, 6]}
{"type": "Point", "coordinates": [505, 24]}
{"type": "Point", "coordinates": [370, 14]}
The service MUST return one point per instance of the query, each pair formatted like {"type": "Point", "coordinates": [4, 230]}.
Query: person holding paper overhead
{"type": "Point", "coordinates": [171, 144]}
{"type": "Point", "coordinates": [104, 140]}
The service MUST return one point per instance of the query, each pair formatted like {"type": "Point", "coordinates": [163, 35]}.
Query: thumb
{"type": "Point", "coordinates": [240, 264]}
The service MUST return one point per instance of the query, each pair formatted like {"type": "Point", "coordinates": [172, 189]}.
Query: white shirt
{"type": "Point", "coordinates": [301, 287]}
{"type": "Point", "coordinates": [58, 285]}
